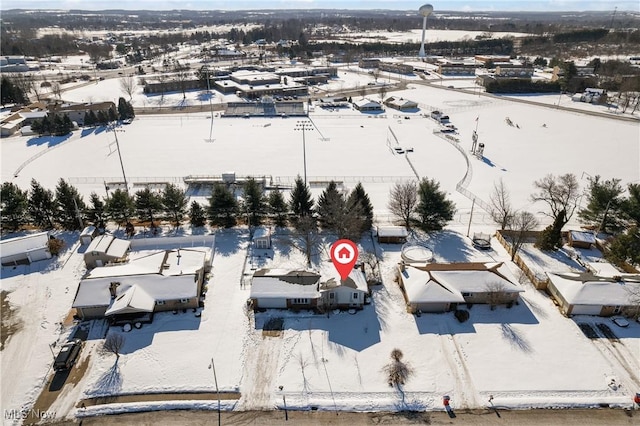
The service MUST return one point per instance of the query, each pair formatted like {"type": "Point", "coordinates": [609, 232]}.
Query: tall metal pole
{"type": "Point", "coordinates": [215, 379]}
{"type": "Point", "coordinates": [304, 125]}
{"type": "Point", "coordinates": [124, 176]}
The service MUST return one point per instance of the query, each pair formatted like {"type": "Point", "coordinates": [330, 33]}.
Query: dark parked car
{"type": "Point", "coordinates": [67, 355]}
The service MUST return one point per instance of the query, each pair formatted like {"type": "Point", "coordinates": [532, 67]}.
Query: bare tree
{"type": "Point", "coordinates": [128, 85]}
{"type": "Point", "coordinates": [633, 310]}
{"type": "Point", "coordinates": [560, 193]}
{"type": "Point", "coordinates": [403, 200]}
{"type": "Point", "coordinates": [398, 372]}
{"type": "Point", "coordinates": [56, 89]}
{"type": "Point", "coordinates": [305, 237]}
{"type": "Point", "coordinates": [501, 210]}
{"type": "Point", "coordinates": [113, 344]}
{"type": "Point", "coordinates": [496, 294]}
{"type": "Point", "coordinates": [372, 260]}
{"type": "Point", "coordinates": [383, 91]}
{"type": "Point", "coordinates": [522, 223]}
{"type": "Point", "coordinates": [183, 74]}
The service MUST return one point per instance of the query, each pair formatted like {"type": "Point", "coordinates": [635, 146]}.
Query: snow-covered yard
{"type": "Point", "coordinates": [525, 356]}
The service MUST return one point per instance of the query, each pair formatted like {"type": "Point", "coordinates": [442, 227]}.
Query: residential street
{"type": "Point", "coordinates": [608, 417]}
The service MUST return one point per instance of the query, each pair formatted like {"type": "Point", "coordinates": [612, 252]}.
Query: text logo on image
{"type": "Point", "coordinates": [344, 255]}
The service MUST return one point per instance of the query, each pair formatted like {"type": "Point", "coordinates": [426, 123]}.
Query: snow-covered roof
{"type": "Point", "coordinates": [167, 263]}
{"type": "Point", "coordinates": [273, 287]}
{"type": "Point", "coordinates": [604, 269]}
{"type": "Point", "coordinates": [420, 288]}
{"type": "Point", "coordinates": [165, 275]}
{"type": "Point", "coordinates": [261, 232]}
{"type": "Point", "coordinates": [587, 289]}
{"type": "Point", "coordinates": [356, 280]}
{"type": "Point", "coordinates": [584, 237]}
{"type": "Point", "coordinates": [95, 291]}
{"type": "Point", "coordinates": [447, 282]}
{"type": "Point", "coordinates": [109, 245]}
{"type": "Point", "coordinates": [392, 231]}
{"type": "Point", "coordinates": [24, 244]}
{"type": "Point", "coordinates": [132, 300]}
{"type": "Point", "coordinates": [366, 103]}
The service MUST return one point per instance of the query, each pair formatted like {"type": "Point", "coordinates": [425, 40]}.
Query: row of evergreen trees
{"type": "Point", "coordinates": [348, 215]}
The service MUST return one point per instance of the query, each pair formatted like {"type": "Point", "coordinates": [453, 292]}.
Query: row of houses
{"type": "Point", "coordinates": [22, 118]}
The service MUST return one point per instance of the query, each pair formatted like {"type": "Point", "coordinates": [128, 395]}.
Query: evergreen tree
{"type": "Point", "coordinates": [359, 201]}
{"type": "Point", "coordinates": [278, 207]}
{"type": "Point", "coordinates": [11, 93]}
{"type": "Point", "coordinates": [604, 205]}
{"type": "Point", "coordinates": [41, 205]}
{"type": "Point", "coordinates": [97, 209]}
{"type": "Point", "coordinates": [331, 208]}
{"type": "Point", "coordinates": [223, 207]}
{"type": "Point", "coordinates": [121, 206]}
{"type": "Point", "coordinates": [301, 202]}
{"type": "Point", "coordinates": [175, 202]}
{"type": "Point", "coordinates": [148, 203]}
{"type": "Point", "coordinates": [254, 202]}
{"type": "Point", "coordinates": [625, 248]}
{"type": "Point", "coordinates": [93, 118]}
{"type": "Point", "coordinates": [196, 214]}
{"type": "Point", "coordinates": [433, 209]}
{"type": "Point", "coordinates": [551, 237]}
{"type": "Point", "coordinates": [101, 118]}
{"type": "Point", "coordinates": [69, 206]}
{"type": "Point", "coordinates": [631, 206]}
{"type": "Point", "coordinates": [87, 120]}
{"type": "Point", "coordinates": [13, 202]}
{"type": "Point", "coordinates": [112, 114]}
{"type": "Point", "coordinates": [125, 109]}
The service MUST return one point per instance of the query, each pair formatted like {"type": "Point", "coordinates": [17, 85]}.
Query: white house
{"type": "Point", "coordinates": [25, 249]}
{"type": "Point", "coordinates": [106, 249]}
{"type": "Point", "coordinates": [161, 281]}
{"type": "Point", "coordinates": [279, 288]}
{"type": "Point", "coordinates": [440, 287]}
{"type": "Point", "coordinates": [367, 105]}
{"type": "Point", "coordinates": [604, 291]}
{"type": "Point", "coordinates": [348, 293]}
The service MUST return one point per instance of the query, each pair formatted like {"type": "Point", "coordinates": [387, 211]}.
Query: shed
{"type": "Point", "coordinates": [262, 238]}
{"type": "Point", "coordinates": [401, 104]}
{"type": "Point", "coordinates": [367, 105]}
{"type": "Point", "coordinates": [88, 234]}
{"type": "Point", "coordinates": [26, 249]}
{"type": "Point", "coordinates": [581, 239]}
{"type": "Point", "coordinates": [106, 249]}
{"type": "Point", "coordinates": [392, 234]}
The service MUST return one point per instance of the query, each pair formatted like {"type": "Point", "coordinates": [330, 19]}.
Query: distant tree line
{"type": "Point", "coordinates": [521, 86]}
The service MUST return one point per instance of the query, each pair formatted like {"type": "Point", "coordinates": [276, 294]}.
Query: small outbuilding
{"type": "Point", "coordinates": [401, 104]}
{"type": "Point", "coordinates": [581, 239]}
{"type": "Point", "coordinates": [392, 234]}
{"type": "Point", "coordinates": [106, 249]}
{"type": "Point", "coordinates": [88, 234]}
{"type": "Point", "coordinates": [262, 238]}
{"type": "Point", "coordinates": [367, 105]}
{"type": "Point", "coordinates": [26, 249]}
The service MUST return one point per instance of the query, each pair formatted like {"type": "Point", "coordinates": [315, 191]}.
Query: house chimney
{"type": "Point", "coordinates": [112, 289]}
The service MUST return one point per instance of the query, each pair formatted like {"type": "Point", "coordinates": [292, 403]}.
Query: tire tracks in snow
{"type": "Point", "coordinates": [465, 390]}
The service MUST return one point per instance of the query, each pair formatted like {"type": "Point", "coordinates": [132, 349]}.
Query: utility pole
{"type": "Point", "coordinates": [304, 125]}
{"type": "Point", "coordinates": [124, 176]}
{"type": "Point", "coordinates": [473, 203]}
{"type": "Point", "coordinates": [215, 379]}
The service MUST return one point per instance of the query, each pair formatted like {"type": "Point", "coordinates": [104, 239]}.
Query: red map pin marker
{"type": "Point", "coordinates": [344, 254]}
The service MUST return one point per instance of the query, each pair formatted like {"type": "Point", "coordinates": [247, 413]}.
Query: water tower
{"type": "Point", "coordinates": [425, 10]}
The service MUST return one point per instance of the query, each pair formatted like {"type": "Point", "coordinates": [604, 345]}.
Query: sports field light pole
{"type": "Point", "coordinates": [124, 176]}
{"type": "Point", "coordinates": [212, 366]}
{"type": "Point", "coordinates": [304, 125]}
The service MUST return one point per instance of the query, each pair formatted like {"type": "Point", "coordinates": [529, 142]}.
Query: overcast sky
{"type": "Point", "coordinates": [463, 5]}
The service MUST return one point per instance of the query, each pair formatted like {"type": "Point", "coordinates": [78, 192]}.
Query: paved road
{"type": "Point", "coordinates": [609, 417]}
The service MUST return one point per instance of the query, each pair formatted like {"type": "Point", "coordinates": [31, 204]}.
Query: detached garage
{"type": "Point", "coordinates": [26, 249]}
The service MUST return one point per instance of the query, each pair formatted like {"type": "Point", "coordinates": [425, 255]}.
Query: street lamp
{"type": "Point", "coordinates": [215, 379]}
{"type": "Point", "coordinates": [304, 125]}
{"type": "Point", "coordinates": [284, 401]}
{"type": "Point", "coordinates": [124, 176]}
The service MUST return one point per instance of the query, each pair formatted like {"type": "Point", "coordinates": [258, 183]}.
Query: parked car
{"type": "Point", "coordinates": [67, 355]}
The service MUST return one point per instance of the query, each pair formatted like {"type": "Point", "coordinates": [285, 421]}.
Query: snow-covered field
{"type": "Point", "coordinates": [526, 356]}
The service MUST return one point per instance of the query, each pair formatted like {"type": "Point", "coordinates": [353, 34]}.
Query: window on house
{"type": "Point", "coordinates": [300, 301]}
{"type": "Point", "coordinates": [332, 296]}
{"type": "Point", "coordinates": [355, 295]}
{"type": "Point", "coordinates": [466, 294]}
{"type": "Point", "coordinates": [184, 300]}
{"type": "Point", "coordinates": [160, 302]}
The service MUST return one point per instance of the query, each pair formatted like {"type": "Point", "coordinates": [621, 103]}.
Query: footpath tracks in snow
{"type": "Point", "coordinates": [466, 395]}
